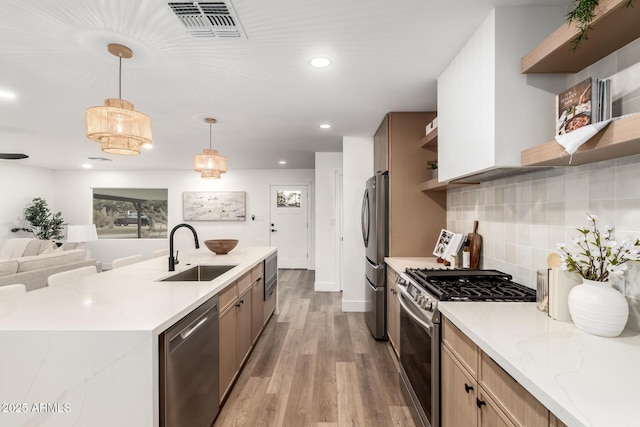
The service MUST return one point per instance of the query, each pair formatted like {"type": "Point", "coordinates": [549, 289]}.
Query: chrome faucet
{"type": "Point", "coordinates": [173, 261]}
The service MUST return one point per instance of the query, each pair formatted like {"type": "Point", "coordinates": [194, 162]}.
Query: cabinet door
{"type": "Point", "coordinates": [393, 311]}
{"type": "Point", "coordinates": [244, 326]}
{"type": "Point", "coordinates": [270, 303]}
{"type": "Point", "coordinates": [381, 147]}
{"type": "Point", "coordinates": [489, 414]}
{"type": "Point", "coordinates": [458, 394]}
{"type": "Point", "coordinates": [228, 350]}
{"type": "Point", "coordinates": [257, 315]}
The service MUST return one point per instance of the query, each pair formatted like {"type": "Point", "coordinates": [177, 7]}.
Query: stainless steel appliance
{"type": "Point", "coordinates": [375, 233]}
{"type": "Point", "coordinates": [420, 292]}
{"type": "Point", "coordinates": [270, 274]}
{"type": "Point", "coordinates": [189, 377]}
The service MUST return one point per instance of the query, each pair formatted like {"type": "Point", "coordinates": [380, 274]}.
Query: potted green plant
{"type": "Point", "coordinates": [583, 14]}
{"type": "Point", "coordinates": [596, 306]}
{"type": "Point", "coordinates": [433, 165]}
{"type": "Point", "coordinates": [43, 223]}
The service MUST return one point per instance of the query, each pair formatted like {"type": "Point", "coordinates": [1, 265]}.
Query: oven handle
{"type": "Point", "coordinates": [425, 325]}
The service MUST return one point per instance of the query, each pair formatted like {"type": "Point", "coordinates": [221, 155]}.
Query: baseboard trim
{"type": "Point", "coordinates": [353, 306]}
{"type": "Point", "coordinates": [325, 287]}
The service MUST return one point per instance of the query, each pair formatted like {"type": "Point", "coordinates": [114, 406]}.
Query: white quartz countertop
{"type": "Point", "coordinates": [583, 379]}
{"type": "Point", "coordinates": [129, 298]}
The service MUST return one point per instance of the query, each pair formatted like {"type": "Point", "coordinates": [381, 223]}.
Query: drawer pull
{"type": "Point", "coordinates": [467, 388]}
{"type": "Point", "coordinates": [480, 403]}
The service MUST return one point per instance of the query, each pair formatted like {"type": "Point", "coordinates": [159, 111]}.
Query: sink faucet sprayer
{"type": "Point", "coordinates": [173, 261]}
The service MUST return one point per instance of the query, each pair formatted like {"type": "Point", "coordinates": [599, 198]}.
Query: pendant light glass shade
{"type": "Point", "coordinates": [210, 164]}
{"type": "Point", "coordinates": [116, 125]}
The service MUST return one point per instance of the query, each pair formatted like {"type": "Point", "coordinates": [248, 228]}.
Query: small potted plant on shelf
{"type": "Point", "coordinates": [596, 306]}
{"type": "Point", "coordinates": [433, 165]}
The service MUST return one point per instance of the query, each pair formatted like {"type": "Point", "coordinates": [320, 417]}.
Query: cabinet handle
{"type": "Point", "coordinates": [480, 403]}
{"type": "Point", "coordinates": [468, 388]}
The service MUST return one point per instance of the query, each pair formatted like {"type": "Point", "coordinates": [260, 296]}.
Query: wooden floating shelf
{"type": "Point", "coordinates": [435, 185]}
{"type": "Point", "coordinates": [619, 139]}
{"type": "Point", "coordinates": [430, 140]}
{"type": "Point", "coordinates": [614, 26]}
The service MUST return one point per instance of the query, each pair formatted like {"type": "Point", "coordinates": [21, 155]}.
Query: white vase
{"type": "Point", "coordinates": [598, 309]}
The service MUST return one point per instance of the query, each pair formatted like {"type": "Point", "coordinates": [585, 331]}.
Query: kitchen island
{"type": "Point", "coordinates": [584, 380]}
{"type": "Point", "coordinates": [87, 353]}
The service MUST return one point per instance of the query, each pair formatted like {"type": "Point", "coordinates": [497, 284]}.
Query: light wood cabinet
{"type": "Point", "coordinates": [228, 335]}
{"type": "Point", "coordinates": [393, 311]}
{"type": "Point", "coordinates": [478, 392]}
{"type": "Point", "coordinates": [415, 218]}
{"type": "Point", "coordinates": [242, 317]}
{"type": "Point", "coordinates": [270, 304]}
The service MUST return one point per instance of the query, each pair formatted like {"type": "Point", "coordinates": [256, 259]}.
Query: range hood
{"type": "Point", "coordinates": [498, 172]}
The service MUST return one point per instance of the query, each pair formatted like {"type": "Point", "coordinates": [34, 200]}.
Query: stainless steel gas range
{"type": "Point", "coordinates": [420, 292]}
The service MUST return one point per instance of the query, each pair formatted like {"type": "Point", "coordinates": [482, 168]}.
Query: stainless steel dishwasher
{"type": "Point", "coordinates": [189, 377]}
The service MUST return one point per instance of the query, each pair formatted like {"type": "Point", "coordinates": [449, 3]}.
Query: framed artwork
{"type": "Point", "coordinates": [214, 206]}
{"type": "Point", "coordinates": [288, 199]}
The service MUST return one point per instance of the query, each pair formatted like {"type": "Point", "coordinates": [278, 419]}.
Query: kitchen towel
{"type": "Point", "coordinates": [573, 140]}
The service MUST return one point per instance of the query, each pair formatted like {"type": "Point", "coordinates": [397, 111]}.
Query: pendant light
{"type": "Point", "coordinates": [117, 126]}
{"type": "Point", "coordinates": [210, 164]}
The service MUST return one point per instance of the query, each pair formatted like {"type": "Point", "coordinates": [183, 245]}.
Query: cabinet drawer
{"type": "Point", "coordinates": [461, 346]}
{"type": "Point", "coordinates": [257, 272]}
{"type": "Point", "coordinates": [270, 303]}
{"type": "Point", "coordinates": [518, 403]}
{"type": "Point", "coordinates": [244, 283]}
{"type": "Point", "coordinates": [227, 297]}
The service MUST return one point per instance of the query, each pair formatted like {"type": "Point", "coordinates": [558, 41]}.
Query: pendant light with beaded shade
{"type": "Point", "coordinates": [117, 126]}
{"type": "Point", "coordinates": [210, 164]}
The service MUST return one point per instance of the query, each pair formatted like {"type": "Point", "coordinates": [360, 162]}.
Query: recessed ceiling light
{"type": "Point", "coordinates": [283, 162]}
{"type": "Point", "coordinates": [86, 166]}
{"type": "Point", "coordinates": [4, 94]}
{"type": "Point", "coordinates": [325, 126]}
{"type": "Point", "coordinates": [320, 62]}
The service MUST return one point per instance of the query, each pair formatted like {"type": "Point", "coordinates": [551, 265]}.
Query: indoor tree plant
{"type": "Point", "coordinates": [595, 306]}
{"type": "Point", "coordinates": [43, 223]}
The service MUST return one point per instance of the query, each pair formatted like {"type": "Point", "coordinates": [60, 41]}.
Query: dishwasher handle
{"type": "Point", "coordinates": [184, 334]}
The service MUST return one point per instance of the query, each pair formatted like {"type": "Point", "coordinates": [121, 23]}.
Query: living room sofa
{"type": "Point", "coordinates": [32, 261]}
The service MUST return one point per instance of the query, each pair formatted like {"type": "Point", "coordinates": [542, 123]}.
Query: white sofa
{"type": "Point", "coordinates": [32, 261]}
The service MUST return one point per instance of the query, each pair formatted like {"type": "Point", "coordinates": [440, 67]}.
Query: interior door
{"type": "Point", "coordinates": [289, 224]}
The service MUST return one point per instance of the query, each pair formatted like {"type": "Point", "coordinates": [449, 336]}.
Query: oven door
{"type": "Point", "coordinates": [420, 363]}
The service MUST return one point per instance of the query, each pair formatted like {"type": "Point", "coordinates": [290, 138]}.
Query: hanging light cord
{"type": "Point", "coordinates": [120, 77]}
{"type": "Point", "coordinates": [210, 136]}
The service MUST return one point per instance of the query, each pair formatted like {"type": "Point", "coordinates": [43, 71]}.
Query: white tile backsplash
{"type": "Point", "coordinates": [522, 218]}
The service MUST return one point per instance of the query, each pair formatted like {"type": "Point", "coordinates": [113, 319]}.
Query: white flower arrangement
{"type": "Point", "coordinates": [600, 255]}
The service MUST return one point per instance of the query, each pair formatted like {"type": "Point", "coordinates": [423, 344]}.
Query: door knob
{"type": "Point", "coordinates": [273, 230]}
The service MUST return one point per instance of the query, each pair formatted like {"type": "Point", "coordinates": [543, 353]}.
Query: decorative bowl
{"type": "Point", "coordinates": [221, 246]}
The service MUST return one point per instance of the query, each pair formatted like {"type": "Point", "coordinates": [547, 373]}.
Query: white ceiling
{"type": "Point", "coordinates": [268, 101]}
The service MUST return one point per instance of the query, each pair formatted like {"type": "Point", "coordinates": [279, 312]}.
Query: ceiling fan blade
{"type": "Point", "coordinates": [13, 156]}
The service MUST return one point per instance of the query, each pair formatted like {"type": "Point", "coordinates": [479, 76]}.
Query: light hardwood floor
{"type": "Point", "coordinates": [316, 366]}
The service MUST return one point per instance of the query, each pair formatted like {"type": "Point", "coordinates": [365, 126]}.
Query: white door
{"type": "Point", "coordinates": [289, 225]}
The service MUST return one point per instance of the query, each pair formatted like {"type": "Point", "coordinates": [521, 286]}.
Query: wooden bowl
{"type": "Point", "coordinates": [221, 246]}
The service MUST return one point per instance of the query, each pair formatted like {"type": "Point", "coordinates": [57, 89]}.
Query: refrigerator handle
{"type": "Point", "coordinates": [364, 218]}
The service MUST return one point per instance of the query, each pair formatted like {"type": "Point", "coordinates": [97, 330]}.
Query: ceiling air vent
{"type": "Point", "coordinates": [208, 19]}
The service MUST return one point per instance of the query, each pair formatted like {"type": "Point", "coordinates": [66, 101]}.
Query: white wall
{"type": "Point", "coordinates": [327, 274]}
{"type": "Point", "coordinates": [357, 167]}
{"type": "Point", "coordinates": [73, 191]}
{"type": "Point", "coordinates": [20, 185]}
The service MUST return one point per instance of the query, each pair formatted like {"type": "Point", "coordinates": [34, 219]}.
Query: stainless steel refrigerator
{"type": "Point", "coordinates": [375, 232]}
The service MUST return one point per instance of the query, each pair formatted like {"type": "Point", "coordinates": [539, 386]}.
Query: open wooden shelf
{"type": "Point", "coordinates": [430, 141]}
{"type": "Point", "coordinates": [614, 26]}
{"type": "Point", "coordinates": [619, 139]}
{"type": "Point", "coordinates": [435, 185]}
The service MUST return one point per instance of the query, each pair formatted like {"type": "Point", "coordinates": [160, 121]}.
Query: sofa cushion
{"type": "Point", "coordinates": [51, 260]}
{"type": "Point", "coordinates": [15, 248]}
{"type": "Point", "coordinates": [8, 266]}
{"type": "Point", "coordinates": [35, 247]}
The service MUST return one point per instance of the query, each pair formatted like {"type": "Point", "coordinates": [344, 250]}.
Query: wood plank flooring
{"type": "Point", "coordinates": [316, 366]}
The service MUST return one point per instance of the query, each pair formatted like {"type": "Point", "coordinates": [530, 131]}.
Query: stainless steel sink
{"type": "Point", "coordinates": [200, 273]}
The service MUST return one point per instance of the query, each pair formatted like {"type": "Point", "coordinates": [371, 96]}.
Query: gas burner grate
{"type": "Point", "coordinates": [471, 285]}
